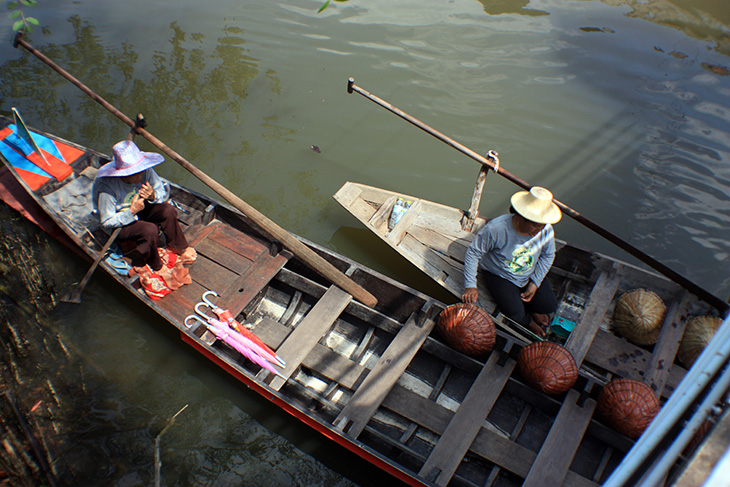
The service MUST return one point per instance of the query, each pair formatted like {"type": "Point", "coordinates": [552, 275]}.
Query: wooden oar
{"type": "Point", "coordinates": [299, 249]}
{"type": "Point", "coordinates": [710, 298]}
{"type": "Point", "coordinates": [75, 295]}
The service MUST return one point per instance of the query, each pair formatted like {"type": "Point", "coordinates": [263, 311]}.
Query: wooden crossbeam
{"type": "Point", "coordinates": [466, 423]}
{"type": "Point", "coordinates": [657, 370]}
{"type": "Point", "coordinates": [305, 336]}
{"type": "Point", "coordinates": [579, 341]}
{"type": "Point", "coordinates": [370, 394]}
{"type": "Point", "coordinates": [557, 452]}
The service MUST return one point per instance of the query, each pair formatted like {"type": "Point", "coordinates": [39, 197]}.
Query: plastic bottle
{"type": "Point", "coordinates": [399, 209]}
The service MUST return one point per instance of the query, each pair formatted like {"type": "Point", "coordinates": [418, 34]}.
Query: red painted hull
{"type": "Point", "coordinates": [304, 418]}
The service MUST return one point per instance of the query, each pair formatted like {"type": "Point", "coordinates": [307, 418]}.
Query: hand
{"type": "Point", "coordinates": [529, 292]}
{"type": "Point", "coordinates": [146, 192]}
{"type": "Point", "coordinates": [471, 295]}
{"type": "Point", "coordinates": [136, 205]}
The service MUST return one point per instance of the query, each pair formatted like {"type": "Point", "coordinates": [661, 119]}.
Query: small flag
{"type": "Point", "coordinates": [24, 134]}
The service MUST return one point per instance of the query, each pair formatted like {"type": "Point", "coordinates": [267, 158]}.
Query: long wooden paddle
{"type": "Point", "coordinates": [710, 298]}
{"type": "Point", "coordinates": [306, 254]}
{"type": "Point", "coordinates": [75, 295]}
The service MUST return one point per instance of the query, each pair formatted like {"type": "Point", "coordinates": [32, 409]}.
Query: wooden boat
{"type": "Point", "coordinates": [376, 380]}
{"type": "Point", "coordinates": [433, 237]}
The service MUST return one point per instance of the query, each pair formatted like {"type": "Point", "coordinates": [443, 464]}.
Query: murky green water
{"type": "Point", "coordinates": [620, 108]}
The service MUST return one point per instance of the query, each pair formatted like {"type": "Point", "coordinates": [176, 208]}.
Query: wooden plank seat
{"type": "Point", "coordinates": [307, 333]}
{"type": "Point", "coordinates": [579, 341]}
{"type": "Point", "coordinates": [392, 363]}
{"type": "Point", "coordinates": [235, 265]}
{"type": "Point", "coordinates": [658, 369]}
{"type": "Point", "coordinates": [467, 421]}
{"type": "Point", "coordinates": [557, 452]}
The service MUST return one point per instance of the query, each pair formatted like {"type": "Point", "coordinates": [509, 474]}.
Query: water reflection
{"type": "Point", "coordinates": [706, 20]}
{"type": "Point", "coordinates": [497, 7]}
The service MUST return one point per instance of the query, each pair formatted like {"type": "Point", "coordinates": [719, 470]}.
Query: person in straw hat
{"type": "Point", "coordinates": [129, 194]}
{"type": "Point", "coordinates": [515, 252]}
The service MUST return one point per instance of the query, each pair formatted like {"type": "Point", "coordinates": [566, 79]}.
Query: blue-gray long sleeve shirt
{"type": "Point", "coordinates": [112, 198]}
{"type": "Point", "coordinates": [500, 250]}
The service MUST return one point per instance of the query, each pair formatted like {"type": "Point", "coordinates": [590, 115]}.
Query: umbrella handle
{"type": "Point", "coordinates": [206, 301]}
{"type": "Point", "coordinates": [197, 310]}
{"type": "Point", "coordinates": [195, 317]}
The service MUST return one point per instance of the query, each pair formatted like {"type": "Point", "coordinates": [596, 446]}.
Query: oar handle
{"type": "Point", "coordinates": [299, 249]}
{"type": "Point", "coordinates": [708, 297]}
{"type": "Point", "coordinates": [75, 296]}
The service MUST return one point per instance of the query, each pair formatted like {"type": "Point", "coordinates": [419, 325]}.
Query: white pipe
{"type": "Point", "coordinates": [704, 368]}
{"type": "Point", "coordinates": [659, 470]}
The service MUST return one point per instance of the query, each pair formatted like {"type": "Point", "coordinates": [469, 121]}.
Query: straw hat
{"type": "Point", "coordinates": [128, 160]}
{"type": "Point", "coordinates": [536, 205]}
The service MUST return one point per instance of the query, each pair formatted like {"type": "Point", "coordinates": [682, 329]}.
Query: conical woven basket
{"type": "Point", "coordinates": [548, 367]}
{"type": "Point", "coordinates": [468, 329]}
{"type": "Point", "coordinates": [697, 335]}
{"type": "Point", "coordinates": [628, 406]}
{"type": "Point", "coordinates": [638, 316]}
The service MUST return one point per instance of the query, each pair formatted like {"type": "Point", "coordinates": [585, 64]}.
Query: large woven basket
{"type": "Point", "coordinates": [468, 329]}
{"type": "Point", "coordinates": [697, 335]}
{"type": "Point", "coordinates": [548, 367]}
{"type": "Point", "coordinates": [628, 406]}
{"type": "Point", "coordinates": [638, 316]}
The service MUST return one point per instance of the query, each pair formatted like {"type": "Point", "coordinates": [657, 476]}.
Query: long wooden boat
{"type": "Point", "coordinates": [376, 380]}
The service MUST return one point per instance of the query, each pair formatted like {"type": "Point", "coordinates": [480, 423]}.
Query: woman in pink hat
{"type": "Point", "coordinates": [515, 252]}
{"type": "Point", "coordinates": [129, 194]}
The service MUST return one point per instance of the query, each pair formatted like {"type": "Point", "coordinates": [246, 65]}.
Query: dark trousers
{"type": "Point", "coordinates": [138, 240]}
{"type": "Point", "coordinates": [509, 302]}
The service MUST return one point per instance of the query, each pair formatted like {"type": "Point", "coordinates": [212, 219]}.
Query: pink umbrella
{"type": "Point", "coordinates": [226, 316]}
{"type": "Point", "coordinates": [222, 332]}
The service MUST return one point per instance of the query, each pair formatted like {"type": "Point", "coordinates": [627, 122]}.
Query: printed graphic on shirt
{"type": "Point", "coordinates": [522, 260]}
{"type": "Point", "coordinates": [127, 201]}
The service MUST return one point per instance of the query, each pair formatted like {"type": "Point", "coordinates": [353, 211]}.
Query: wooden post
{"type": "Point", "coordinates": [467, 223]}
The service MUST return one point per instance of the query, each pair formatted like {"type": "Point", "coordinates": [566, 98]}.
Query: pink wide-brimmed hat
{"type": "Point", "coordinates": [128, 160]}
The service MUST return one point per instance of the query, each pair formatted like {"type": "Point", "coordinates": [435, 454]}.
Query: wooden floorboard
{"type": "Point", "coordinates": [466, 423]}
{"type": "Point", "coordinates": [307, 333]}
{"type": "Point", "coordinates": [557, 452]}
{"type": "Point", "coordinates": [391, 365]}
{"type": "Point", "coordinates": [665, 349]}
{"type": "Point", "coordinates": [579, 341]}
{"type": "Point", "coordinates": [243, 288]}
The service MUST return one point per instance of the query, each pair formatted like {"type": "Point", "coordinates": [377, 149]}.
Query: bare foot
{"type": "Point", "coordinates": [540, 319]}
{"type": "Point", "coordinates": [536, 329]}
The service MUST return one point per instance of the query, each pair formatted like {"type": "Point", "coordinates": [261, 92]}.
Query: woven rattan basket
{"type": "Point", "coordinates": [697, 335]}
{"type": "Point", "coordinates": [468, 329]}
{"type": "Point", "coordinates": [548, 367]}
{"type": "Point", "coordinates": [628, 406]}
{"type": "Point", "coordinates": [638, 316]}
